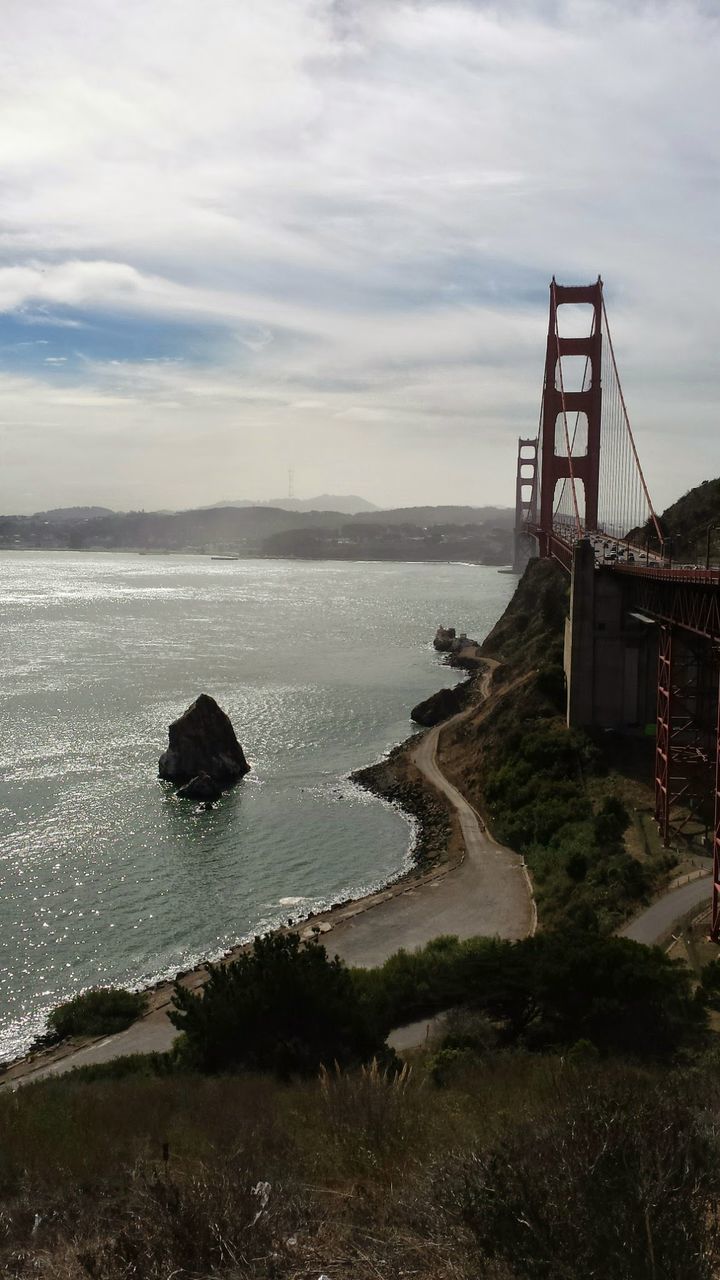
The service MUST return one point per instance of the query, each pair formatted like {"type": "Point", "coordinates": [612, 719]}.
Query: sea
{"type": "Point", "coordinates": [107, 878]}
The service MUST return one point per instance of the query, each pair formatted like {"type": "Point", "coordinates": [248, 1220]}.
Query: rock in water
{"type": "Point", "coordinates": [444, 639]}
{"type": "Point", "coordinates": [201, 787]}
{"type": "Point", "coordinates": [439, 706]}
{"type": "Point", "coordinates": [203, 741]}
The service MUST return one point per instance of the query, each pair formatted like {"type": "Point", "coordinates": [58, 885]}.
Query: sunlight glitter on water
{"type": "Point", "coordinates": [105, 876]}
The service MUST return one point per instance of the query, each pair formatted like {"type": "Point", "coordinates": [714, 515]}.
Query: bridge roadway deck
{"type": "Point", "coordinates": [644, 563]}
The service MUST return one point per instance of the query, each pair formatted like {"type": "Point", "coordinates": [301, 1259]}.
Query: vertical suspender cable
{"type": "Point", "coordinates": [626, 419]}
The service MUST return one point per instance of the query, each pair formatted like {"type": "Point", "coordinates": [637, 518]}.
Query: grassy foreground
{"type": "Point", "coordinates": [562, 1125]}
{"type": "Point", "coordinates": [520, 1166]}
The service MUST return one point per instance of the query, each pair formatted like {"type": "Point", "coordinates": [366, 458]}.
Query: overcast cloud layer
{"type": "Point", "coordinates": [247, 235]}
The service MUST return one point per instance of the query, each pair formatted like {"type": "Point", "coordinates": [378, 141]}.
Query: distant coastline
{"type": "Point", "coordinates": [431, 534]}
{"type": "Point", "coordinates": [503, 566]}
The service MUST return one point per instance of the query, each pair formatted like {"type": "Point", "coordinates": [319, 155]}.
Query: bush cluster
{"type": "Point", "coordinates": [99, 1012]}
{"type": "Point", "coordinates": [280, 1007]}
{"type": "Point", "coordinates": [612, 1183]}
{"type": "Point", "coordinates": [536, 796]}
{"type": "Point", "coordinates": [547, 992]}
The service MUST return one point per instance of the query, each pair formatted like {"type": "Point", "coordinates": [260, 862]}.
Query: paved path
{"type": "Point", "coordinates": [656, 923]}
{"type": "Point", "coordinates": [488, 894]}
{"type": "Point", "coordinates": [153, 1034]}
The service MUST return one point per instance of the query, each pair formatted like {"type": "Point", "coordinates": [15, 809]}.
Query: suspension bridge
{"type": "Point", "coordinates": [642, 640]}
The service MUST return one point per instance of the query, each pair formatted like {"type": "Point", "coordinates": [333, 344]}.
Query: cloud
{"type": "Point", "coordinates": [359, 206]}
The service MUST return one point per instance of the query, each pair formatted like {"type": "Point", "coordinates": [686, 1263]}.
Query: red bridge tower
{"type": "Point", "coordinates": [557, 403]}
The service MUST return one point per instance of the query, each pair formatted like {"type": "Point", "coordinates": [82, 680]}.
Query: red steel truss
{"type": "Point", "coordinates": [677, 598]}
{"type": "Point", "coordinates": [685, 747]}
{"type": "Point", "coordinates": [715, 925]}
{"type": "Point", "coordinates": [662, 737]}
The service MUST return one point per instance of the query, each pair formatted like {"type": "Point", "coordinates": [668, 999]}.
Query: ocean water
{"type": "Point", "coordinates": [104, 876]}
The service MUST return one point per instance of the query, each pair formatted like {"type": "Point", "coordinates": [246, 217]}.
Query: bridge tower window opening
{"type": "Point", "coordinates": [573, 373]}
{"type": "Point", "coordinates": [564, 505]}
{"type": "Point", "coordinates": [577, 434]}
{"type": "Point", "coordinates": [575, 319]}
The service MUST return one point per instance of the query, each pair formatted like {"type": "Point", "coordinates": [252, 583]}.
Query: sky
{"type": "Point", "coordinates": [239, 237]}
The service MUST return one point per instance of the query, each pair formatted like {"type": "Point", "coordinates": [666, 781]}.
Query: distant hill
{"type": "Point", "coordinates": [439, 533]}
{"type": "Point", "coordinates": [222, 530]}
{"type": "Point", "coordinates": [60, 515]}
{"type": "Point", "coordinates": [501, 517]}
{"type": "Point", "coordinates": [376, 540]}
{"type": "Point", "coordinates": [687, 520]}
{"type": "Point", "coordinates": [347, 504]}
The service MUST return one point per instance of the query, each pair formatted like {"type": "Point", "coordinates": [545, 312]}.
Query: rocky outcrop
{"type": "Point", "coordinates": [459, 650]}
{"type": "Point", "coordinates": [201, 787]}
{"type": "Point", "coordinates": [439, 706]}
{"type": "Point", "coordinates": [202, 744]}
{"type": "Point", "coordinates": [444, 639]}
{"type": "Point", "coordinates": [467, 657]}
{"type": "Point", "coordinates": [389, 779]}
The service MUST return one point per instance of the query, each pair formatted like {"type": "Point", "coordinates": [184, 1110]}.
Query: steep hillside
{"type": "Point", "coordinates": [530, 632]}
{"type": "Point", "coordinates": [687, 520]}
{"type": "Point", "coordinates": [501, 517]}
{"type": "Point", "coordinates": [558, 796]}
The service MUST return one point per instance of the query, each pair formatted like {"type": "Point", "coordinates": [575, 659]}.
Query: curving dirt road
{"type": "Point", "coordinates": [487, 894]}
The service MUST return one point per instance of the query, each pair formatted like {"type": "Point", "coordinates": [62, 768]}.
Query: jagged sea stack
{"type": "Point", "coordinates": [440, 706]}
{"type": "Point", "coordinates": [445, 639]}
{"type": "Point", "coordinates": [203, 748]}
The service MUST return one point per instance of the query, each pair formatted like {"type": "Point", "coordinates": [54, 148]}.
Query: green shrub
{"type": "Point", "coordinates": [545, 992]}
{"type": "Point", "coordinates": [710, 984]}
{"type": "Point", "coordinates": [99, 1012]}
{"type": "Point", "coordinates": [280, 1007]}
{"type": "Point", "coordinates": [552, 685]}
{"type": "Point", "coordinates": [536, 794]}
{"type": "Point", "coordinates": [611, 821]}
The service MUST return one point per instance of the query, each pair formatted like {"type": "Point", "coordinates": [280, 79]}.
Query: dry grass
{"type": "Point", "coordinates": [155, 1178]}
{"type": "Point", "coordinates": [354, 1176]}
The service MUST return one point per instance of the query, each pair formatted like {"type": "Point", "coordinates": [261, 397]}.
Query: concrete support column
{"type": "Point", "coordinates": [580, 638]}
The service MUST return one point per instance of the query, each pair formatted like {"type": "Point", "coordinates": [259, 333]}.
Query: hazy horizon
{"type": "Point", "coordinates": [319, 234]}
{"type": "Point", "coordinates": [261, 502]}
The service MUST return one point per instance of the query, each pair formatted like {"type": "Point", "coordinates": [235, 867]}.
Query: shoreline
{"type": "Point", "coordinates": [475, 886]}
{"type": "Point", "coordinates": [502, 566]}
{"type": "Point", "coordinates": [437, 849]}
{"type": "Point", "coordinates": [316, 925]}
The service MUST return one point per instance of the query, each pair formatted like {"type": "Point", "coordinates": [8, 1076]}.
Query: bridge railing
{"type": "Point", "coordinates": [677, 573]}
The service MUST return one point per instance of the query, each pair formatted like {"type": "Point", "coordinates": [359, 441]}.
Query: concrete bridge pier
{"type": "Point", "coordinates": [610, 652]}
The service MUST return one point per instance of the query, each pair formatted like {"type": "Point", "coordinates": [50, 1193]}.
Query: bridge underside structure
{"type": "Point", "coordinates": [642, 640]}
